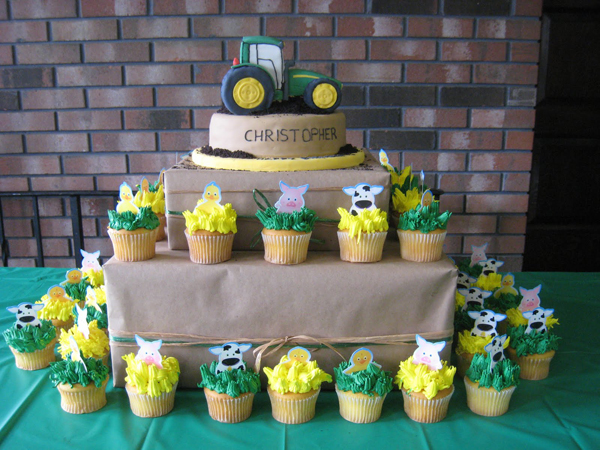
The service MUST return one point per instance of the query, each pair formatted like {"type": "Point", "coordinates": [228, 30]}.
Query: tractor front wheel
{"type": "Point", "coordinates": [246, 89]}
{"type": "Point", "coordinates": [323, 95]}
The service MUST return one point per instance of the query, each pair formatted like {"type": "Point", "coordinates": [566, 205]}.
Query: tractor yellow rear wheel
{"type": "Point", "coordinates": [248, 93]}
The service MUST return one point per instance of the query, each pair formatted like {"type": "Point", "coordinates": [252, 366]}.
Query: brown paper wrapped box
{"type": "Point", "coordinates": [185, 182]}
{"type": "Point", "coordinates": [324, 300]}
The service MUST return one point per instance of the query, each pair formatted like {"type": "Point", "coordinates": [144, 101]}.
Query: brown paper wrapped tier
{"type": "Point", "coordinates": [421, 409]}
{"type": "Point", "coordinates": [533, 367]}
{"type": "Point", "coordinates": [35, 360]}
{"type": "Point", "coordinates": [421, 247]}
{"type": "Point", "coordinates": [82, 399]}
{"type": "Point", "coordinates": [227, 409]}
{"type": "Point", "coordinates": [136, 245]}
{"type": "Point", "coordinates": [285, 246]}
{"type": "Point", "coordinates": [209, 247]}
{"type": "Point", "coordinates": [293, 408]}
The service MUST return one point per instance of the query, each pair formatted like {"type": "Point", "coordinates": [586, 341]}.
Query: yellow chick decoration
{"type": "Point", "coordinates": [508, 282]}
{"type": "Point", "coordinates": [427, 198]}
{"type": "Point", "coordinates": [299, 354]}
{"type": "Point", "coordinates": [145, 185]}
{"type": "Point", "coordinates": [58, 293]}
{"type": "Point", "coordinates": [360, 360]}
{"type": "Point", "coordinates": [74, 276]}
{"type": "Point", "coordinates": [126, 203]}
{"type": "Point", "coordinates": [211, 199]}
{"type": "Point", "coordinates": [384, 160]}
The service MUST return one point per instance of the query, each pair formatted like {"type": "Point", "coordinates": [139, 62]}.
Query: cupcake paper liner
{"type": "Point", "coordinates": [533, 367]}
{"type": "Point", "coordinates": [143, 405]}
{"type": "Point", "coordinates": [368, 249]}
{"type": "Point", "coordinates": [358, 407]}
{"type": "Point", "coordinates": [487, 401]}
{"type": "Point", "coordinates": [63, 324]}
{"type": "Point", "coordinates": [421, 247]}
{"type": "Point", "coordinates": [421, 409]}
{"type": "Point", "coordinates": [130, 246]}
{"type": "Point", "coordinates": [209, 249]}
{"type": "Point", "coordinates": [223, 408]}
{"type": "Point", "coordinates": [293, 408]}
{"type": "Point", "coordinates": [82, 400]}
{"type": "Point", "coordinates": [36, 360]}
{"type": "Point", "coordinates": [286, 249]}
{"type": "Point", "coordinates": [162, 234]}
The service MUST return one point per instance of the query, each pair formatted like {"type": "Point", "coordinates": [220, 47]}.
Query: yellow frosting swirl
{"type": "Point", "coordinates": [401, 177]}
{"type": "Point", "coordinates": [471, 344]}
{"type": "Point", "coordinates": [56, 308]}
{"type": "Point", "coordinates": [365, 222]}
{"type": "Point", "coordinates": [420, 378]}
{"type": "Point", "coordinates": [515, 318]}
{"type": "Point", "coordinates": [149, 379]}
{"type": "Point", "coordinates": [94, 347]}
{"type": "Point", "coordinates": [489, 282]}
{"type": "Point", "coordinates": [459, 301]}
{"type": "Point", "coordinates": [100, 296]}
{"type": "Point", "coordinates": [95, 277]}
{"type": "Point", "coordinates": [299, 378]}
{"type": "Point", "coordinates": [222, 220]}
{"type": "Point", "coordinates": [156, 200]}
{"type": "Point", "coordinates": [405, 202]}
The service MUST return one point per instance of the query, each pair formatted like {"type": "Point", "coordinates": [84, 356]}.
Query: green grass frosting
{"type": "Point", "coordinates": [302, 221]}
{"type": "Point", "coordinates": [425, 220]}
{"type": "Point", "coordinates": [29, 339]}
{"type": "Point", "coordinates": [506, 372]}
{"type": "Point", "coordinates": [93, 314]}
{"type": "Point", "coordinates": [504, 302]}
{"type": "Point", "coordinates": [369, 381]}
{"type": "Point", "coordinates": [129, 221]}
{"type": "Point", "coordinates": [232, 382]}
{"type": "Point", "coordinates": [72, 372]}
{"type": "Point", "coordinates": [532, 343]}
{"type": "Point", "coordinates": [77, 291]}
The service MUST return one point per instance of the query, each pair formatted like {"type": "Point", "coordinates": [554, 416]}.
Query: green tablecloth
{"type": "Point", "coordinates": [562, 411]}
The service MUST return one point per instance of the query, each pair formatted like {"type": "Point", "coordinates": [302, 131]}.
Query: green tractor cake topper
{"type": "Point", "coordinates": [261, 76]}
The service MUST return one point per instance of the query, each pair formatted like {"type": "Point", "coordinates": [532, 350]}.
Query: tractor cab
{"type": "Point", "coordinates": [267, 53]}
{"type": "Point", "coordinates": [261, 76]}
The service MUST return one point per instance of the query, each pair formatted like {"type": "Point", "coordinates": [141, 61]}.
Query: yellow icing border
{"type": "Point", "coordinates": [279, 165]}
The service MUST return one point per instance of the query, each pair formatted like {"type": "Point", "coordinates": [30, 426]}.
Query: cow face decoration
{"type": "Point", "coordinates": [473, 297]}
{"type": "Point", "coordinates": [230, 356]}
{"type": "Point", "coordinates": [485, 322]}
{"type": "Point", "coordinates": [490, 266]}
{"type": "Point", "coordinates": [496, 350]}
{"type": "Point", "coordinates": [363, 197]}
{"type": "Point", "coordinates": [536, 320]}
{"type": "Point", "coordinates": [26, 314]}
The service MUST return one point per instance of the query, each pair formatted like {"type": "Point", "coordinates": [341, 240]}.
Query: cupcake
{"type": "Point", "coordinates": [76, 286]}
{"type": "Point", "coordinates": [426, 383]}
{"type": "Point", "coordinates": [294, 386]}
{"type": "Point", "coordinates": [91, 268]}
{"type": "Point", "coordinates": [93, 343]}
{"type": "Point", "coordinates": [362, 236]}
{"type": "Point", "coordinates": [153, 196]}
{"type": "Point", "coordinates": [533, 350]}
{"type": "Point", "coordinates": [406, 192]}
{"type": "Point", "coordinates": [133, 235]}
{"type": "Point", "coordinates": [31, 340]}
{"type": "Point", "coordinates": [468, 346]}
{"type": "Point", "coordinates": [57, 307]}
{"type": "Point", "coordinates": [287, 226]}
{"type": "Point", "coordinates": [361, 386]}
{"type": "Point", "coordinates": [229, 389]}
{"type": "Point", "coordinates": [151, 380]}
{"type": "Point", "coordinates": [97, 312]}
{"type": "Point", "coordinates": [210, 228]}
{"type": "Point", "coordinates": [422, 231]}
{"type": "Point", "coordinates": [81, 384]}
{"type": "Point", "coordinates": [491, 380]}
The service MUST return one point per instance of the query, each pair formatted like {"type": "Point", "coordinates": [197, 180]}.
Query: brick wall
{"type": "Point", "coordinates": [94, 92]}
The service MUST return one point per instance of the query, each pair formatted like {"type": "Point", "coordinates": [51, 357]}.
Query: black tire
{"type": "Point", "coordinates": [233, 76]}
{"type": "Point", "coordinates": [308, 94]}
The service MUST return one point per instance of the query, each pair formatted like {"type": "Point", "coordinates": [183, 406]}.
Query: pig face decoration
{"type": "Point", "coordinates": [478, 254]}
{"type": "Point", "coordinates": [531, 298]}
{"type": "Point", "coordinates": [148, 351]}
{"type": "Point", "coordinates": [90, 261]}
{"type": "Point", "coordinates": [291, 198]}
{"type": "Point", "coordinates": [428, 353]}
